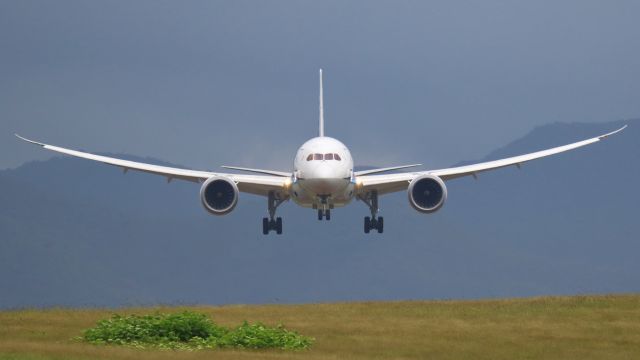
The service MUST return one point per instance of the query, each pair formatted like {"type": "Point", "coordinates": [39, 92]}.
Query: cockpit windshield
{"type": "Point", "coordinates": [328, 156]}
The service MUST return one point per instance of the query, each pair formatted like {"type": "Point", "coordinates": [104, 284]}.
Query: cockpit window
{"type": "Point", "coordinates": [324, 157]}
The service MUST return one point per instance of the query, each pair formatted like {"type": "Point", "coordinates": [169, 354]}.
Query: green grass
{"type": "Point", "coordinates": [581, 327]}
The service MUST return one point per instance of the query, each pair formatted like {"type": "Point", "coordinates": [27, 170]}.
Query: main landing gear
{"type": "Point", "coordinates": [374, 222]}
{"type": "Point", "coordinates": [272, 223]}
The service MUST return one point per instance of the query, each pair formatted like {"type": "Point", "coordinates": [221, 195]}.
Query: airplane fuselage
{"type": "Point", "coordinates": [323, 174]}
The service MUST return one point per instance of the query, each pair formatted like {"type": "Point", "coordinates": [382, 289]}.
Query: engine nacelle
{"type": "Point", "coordinates": [427, 193]}
{"type": "Point", "coordinates": [219, 195]}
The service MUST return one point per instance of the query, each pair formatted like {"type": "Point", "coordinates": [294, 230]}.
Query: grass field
{"type": "Point", "coordinates": [581, 327]}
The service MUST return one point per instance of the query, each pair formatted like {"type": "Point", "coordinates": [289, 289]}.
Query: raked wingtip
{"type": "Point", "coordinates": [612, 133]}
{"type": "Point", "coordinates": [29, 141]}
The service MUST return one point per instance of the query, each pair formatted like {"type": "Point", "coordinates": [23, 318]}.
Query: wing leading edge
{"type": "Point", "coordinates": [381, 170]}
{"type": "Point", "coordinates": [254, 184]}
{"type": "Point", "coordinates": [398, 182]}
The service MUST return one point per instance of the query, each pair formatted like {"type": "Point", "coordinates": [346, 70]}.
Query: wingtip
{"type": "Point", "coordinates": [27, 140]}
{"type": "Point", "coordinates": [613, 132]}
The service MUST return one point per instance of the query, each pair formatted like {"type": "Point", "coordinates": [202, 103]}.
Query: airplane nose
{"type": "Point", "coordinates": [322, 172]}
{"type": "Point", "coordinates": [323, 180]}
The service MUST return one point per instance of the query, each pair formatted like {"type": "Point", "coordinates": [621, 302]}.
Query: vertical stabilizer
{"type": "Point", "coordinates": [321, 133]}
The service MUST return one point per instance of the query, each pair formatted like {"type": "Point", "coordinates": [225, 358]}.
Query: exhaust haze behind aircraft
{"type": "Point", "coordinates": [322, 179]}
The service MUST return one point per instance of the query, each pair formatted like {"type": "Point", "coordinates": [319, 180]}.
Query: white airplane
{"type": "Point", "coordinates": [322, 178]}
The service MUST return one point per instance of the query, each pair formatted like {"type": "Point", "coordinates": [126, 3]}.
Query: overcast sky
{"type": "Point", "coordinates": [208, 83]}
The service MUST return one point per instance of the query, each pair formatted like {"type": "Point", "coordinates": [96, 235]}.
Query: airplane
{"type": "Point", "coordinates": [323, 178]}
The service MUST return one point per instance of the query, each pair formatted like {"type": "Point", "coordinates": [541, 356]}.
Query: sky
{"type": "Point", "coordinates": [210, 83]}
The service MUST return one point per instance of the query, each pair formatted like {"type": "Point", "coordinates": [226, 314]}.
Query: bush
{"type": "Point", "coordinates": [190, 331]}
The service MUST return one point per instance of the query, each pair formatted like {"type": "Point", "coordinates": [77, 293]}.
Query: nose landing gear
{"type": "Point", "coordinates": [374, 222]}
{"type": "Point", "coordinates": [272, 223]}
{"type": "Point", "coordinates": [324, 208]}
{"type": "Point", "coordinates": [326, 213]}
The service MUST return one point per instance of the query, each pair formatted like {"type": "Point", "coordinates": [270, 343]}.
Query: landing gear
{"type": "Point", "coordinates": [326, 214]}
{"type": "Point", "coordinates": [272, 223]}
{"type": "Point", "coordinates": [324, 208]}
{"type": "Point", "coordinates": [374, 222]}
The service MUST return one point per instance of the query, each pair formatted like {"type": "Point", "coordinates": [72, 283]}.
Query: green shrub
{"type": "Point", "coordinates": [190, 331]}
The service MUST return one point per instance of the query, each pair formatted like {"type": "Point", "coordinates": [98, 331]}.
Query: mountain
{"type": "Point", "coordinates": [77, 233]}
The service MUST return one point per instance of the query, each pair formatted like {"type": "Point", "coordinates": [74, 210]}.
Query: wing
{"type": "Point", "coordinates": [381, 170]}
{"type": "Point", "coordinates": [258, 171]}
{"type": "Point", "coordinates": [398, 182]}
{"type": "Point", "coordinates": [254, 184]}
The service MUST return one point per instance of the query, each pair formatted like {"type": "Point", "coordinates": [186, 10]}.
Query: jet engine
{"type": "Point", "coordinates": [219, 195]}
{"type": "Point", "coordinates": [427, 193]}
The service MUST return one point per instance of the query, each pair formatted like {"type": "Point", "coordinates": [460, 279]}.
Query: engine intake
{"type": "Point", "coordinates": [427, 193]}
{"type": "Point", "coordinates": [219, 195]}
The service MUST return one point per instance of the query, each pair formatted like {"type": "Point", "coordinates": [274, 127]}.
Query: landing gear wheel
{"type": "Point", "coordinates": [326, 214]}
{"type": "Point", "coordinates": [273, 224]}
{"type": "Point", "coordinates": [375, 224]}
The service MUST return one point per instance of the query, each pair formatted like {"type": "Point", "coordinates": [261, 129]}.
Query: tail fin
{"type": "Point", "coordinates": [321, 133]}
